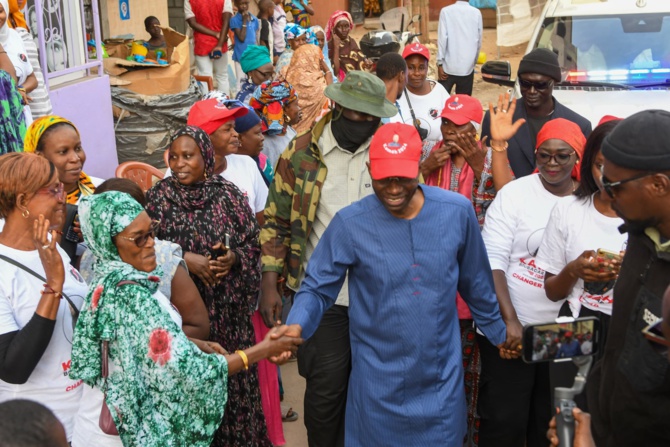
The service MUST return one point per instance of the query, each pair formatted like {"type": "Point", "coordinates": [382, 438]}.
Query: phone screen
{"type": "Point", "coordinates": [557, 342]}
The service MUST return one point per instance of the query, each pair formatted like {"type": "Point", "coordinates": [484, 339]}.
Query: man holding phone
{"type": "Point", "coordinates": [629, 388]}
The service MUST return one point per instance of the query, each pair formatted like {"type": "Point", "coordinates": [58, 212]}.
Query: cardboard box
{"type": "Point", "coordinates": [156, 80]}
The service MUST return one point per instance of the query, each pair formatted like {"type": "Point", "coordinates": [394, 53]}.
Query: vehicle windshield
{"type": "Point", "coordinates": [632, 49]}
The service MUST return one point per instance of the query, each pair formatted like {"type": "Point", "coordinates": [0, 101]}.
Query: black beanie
{"type": "Point", "coordinates": [541, 61]}
{"type": "Point", "coordinates": [640, 142]}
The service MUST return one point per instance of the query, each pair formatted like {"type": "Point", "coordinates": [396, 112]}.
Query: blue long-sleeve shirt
{"type": "Point", "coordinates": [406, 382]}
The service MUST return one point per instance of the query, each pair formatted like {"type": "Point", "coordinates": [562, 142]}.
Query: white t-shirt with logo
{"type": "Point", "coordinates": [513, 230]}
{"type": "Point", "coordinates": [576, 225]}
{"type": "Point", "coordinates": [49, 383]}
{"type": "Point", "coordinates": [242, 171]}
{"type": "Point", "coordinates": [87, 430]}
{"type": "Point", "coordinates": [427, 109]}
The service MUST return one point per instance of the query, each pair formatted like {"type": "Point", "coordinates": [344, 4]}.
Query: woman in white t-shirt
{"type": "Point", "coordinates": [514, 397]}
{"type": "Point", "coordinates": [423, 99]}
{"type": "Point", "coordinates": [580, 225]}
{"type": "Point", "coordinates": [37, 315]}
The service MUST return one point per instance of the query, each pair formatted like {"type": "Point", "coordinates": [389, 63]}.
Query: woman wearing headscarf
{"type": "Point", "coordinates": [11, 43]}
{"type": "Point", "coordinates": [514, 397]}
{"type": "Point", "coordinates": [161, 389]}
{"type": "Point", "coordinates": [295, 36]}
{"type": "Point", "coordinates": [57, 139]}
{"type": "Point", "coordinates": [276, 102]}
{"type": "Point", "coordinates": [211, 220]}
{"type": "Point", "coordinates": [579, 226]}
{"type": "Point", "coordinates": [40, 293]}
{"type": "Point", "coordinates": [12, 118]}
{"type": "Point", "coordinates": [345, 54]}
{"type": "Point", "coordinates": [257, 65]}
{"type": "Point", "coordinates": [309, 75]}
{"type": "Point", "coordinates": [317, 36]}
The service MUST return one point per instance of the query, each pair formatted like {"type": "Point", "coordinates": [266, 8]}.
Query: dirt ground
{"type": "Point", "coordinates": [294, 385]}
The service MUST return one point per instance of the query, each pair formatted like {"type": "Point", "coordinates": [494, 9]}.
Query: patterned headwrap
{"type": "Point", "coordinates": [338, 16]}
{"type": "Point", "coordinates": [167, 391]}
{"type": "Point", "coordinates": [33, 135]}
{"type": "Point", "coordinates": [291, 31]}
{"type": "Point", "coordinates": [564, 130]}
{"type": "Point", "coordinates": [38, 127]}
{"type": "Point", "coordinates": [268, 101]}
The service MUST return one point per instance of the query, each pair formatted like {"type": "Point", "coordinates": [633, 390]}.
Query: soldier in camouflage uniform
{"type": "Point", "coordinates": [320, 173]}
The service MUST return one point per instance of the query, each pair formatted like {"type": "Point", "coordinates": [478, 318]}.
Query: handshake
{"type": "Point", "coordinates": [281, 342]}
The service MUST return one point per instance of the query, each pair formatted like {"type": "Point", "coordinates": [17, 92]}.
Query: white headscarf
{"type": "Point", "coordinates": [13, 45]}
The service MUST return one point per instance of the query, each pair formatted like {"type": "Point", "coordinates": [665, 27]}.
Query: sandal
{"type": "Point", "coordinates": [289, 415]}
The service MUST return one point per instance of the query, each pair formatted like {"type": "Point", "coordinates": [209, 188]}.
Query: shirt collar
{"type": "Point", "coordinates": [655, 236]}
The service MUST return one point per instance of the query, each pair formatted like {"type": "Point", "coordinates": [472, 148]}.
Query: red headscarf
{"type": "Point", "coordinates": [336, 17]}
{"type": "Point", "coordinates": [564, 130]}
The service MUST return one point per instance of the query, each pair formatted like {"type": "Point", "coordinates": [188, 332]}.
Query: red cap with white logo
{"type": "Point", "coordinates": [463, 109]}
{"type": "Point", "coordinates": [416, 48]}
{"type": "Point", "coordinates": [395, 151]}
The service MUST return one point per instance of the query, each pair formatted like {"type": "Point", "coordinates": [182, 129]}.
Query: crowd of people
{"type": "Point", "coordinates": [412, 234]}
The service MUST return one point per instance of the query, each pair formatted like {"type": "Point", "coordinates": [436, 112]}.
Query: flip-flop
{"type": "Point", "coordinates": [289, 415]}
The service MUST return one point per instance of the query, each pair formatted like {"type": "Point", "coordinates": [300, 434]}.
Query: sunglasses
{"type": "Point", "coordinates": [142, 239]}
{"type": "Point", "coordinates": [609, 186]}
{"type": "Point", "coordinates": [402, 181]}
{"type": "Point", "coordinates": [57, 191]}
{"type": "Point", "coordinates": [539, 86]}
{"type": "Point", "coordinates": [561, 159]}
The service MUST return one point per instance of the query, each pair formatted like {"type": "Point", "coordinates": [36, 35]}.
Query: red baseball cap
{"type": "Point", "coordinates": [395, 151]}
{"type": "Point", "coordinates": [211, 114]}
{"type": "Point", "coordinates": [462, 109]}
{"type": "Point", "coordinates": [416, 48]}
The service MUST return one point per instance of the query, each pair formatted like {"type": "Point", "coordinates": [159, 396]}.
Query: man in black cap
{"type": "Point", "coordinates": [538, 71]}
{"type": "Point", "coordinates": [629, 389]}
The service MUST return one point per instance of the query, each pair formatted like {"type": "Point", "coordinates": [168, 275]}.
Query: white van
{"type": "Point", "coordinates": [615, 55]}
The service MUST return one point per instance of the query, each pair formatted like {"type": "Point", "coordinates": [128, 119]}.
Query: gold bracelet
{"type": "Point", "coordinates": [244, 358]}
{"type": "Point", "coordinates": [500, 149]}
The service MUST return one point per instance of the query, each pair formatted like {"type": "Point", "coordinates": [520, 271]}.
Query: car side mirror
{"type": "Point", "coordinates": [498, 72]}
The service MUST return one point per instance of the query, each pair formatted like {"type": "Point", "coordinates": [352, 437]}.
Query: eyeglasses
{"type": "Point", "coordinates": [609, 186]}
{"type": "Point", "coordinates": [561, 159]}
{"type": "Point", "coordinates": [266, 74]}
{"type": "Point", "coordinates": [402, 181]}
{"type": "Point", "coordinates": [539, 86]}
{"type": "Point", "coordinates": [142, 239]}
{"type": "Point", "coordinates": [57, 191]}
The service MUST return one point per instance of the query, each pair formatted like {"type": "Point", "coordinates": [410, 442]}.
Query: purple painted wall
{"type": "Point", "coordinates": [88, 104]}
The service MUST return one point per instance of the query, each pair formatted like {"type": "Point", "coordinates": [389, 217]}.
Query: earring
{"type": "Point", "coordinates": [287, 119]}
{"type": "Point", "coordinates": [25, 214]}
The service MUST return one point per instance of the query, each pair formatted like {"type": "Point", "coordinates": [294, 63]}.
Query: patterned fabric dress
{"type": "Point", "coordinates": [197, 217]}
{"type": "Point", "coordinates": [298, 11]}
{"type": "Point", "coordinates": [161, 390]}
{"type": "Point", "coordinates": [12, 120]}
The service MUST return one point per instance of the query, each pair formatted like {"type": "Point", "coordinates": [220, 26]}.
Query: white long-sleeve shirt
{"type": "Point", "coordinates": [459, 38]}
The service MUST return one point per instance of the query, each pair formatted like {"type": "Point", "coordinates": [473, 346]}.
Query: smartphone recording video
{"type": "Point", "coordinates": [561, 340]}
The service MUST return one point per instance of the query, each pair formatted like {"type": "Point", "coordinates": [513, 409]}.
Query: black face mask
{"type": "Point", "coordinates": [351, 134]}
